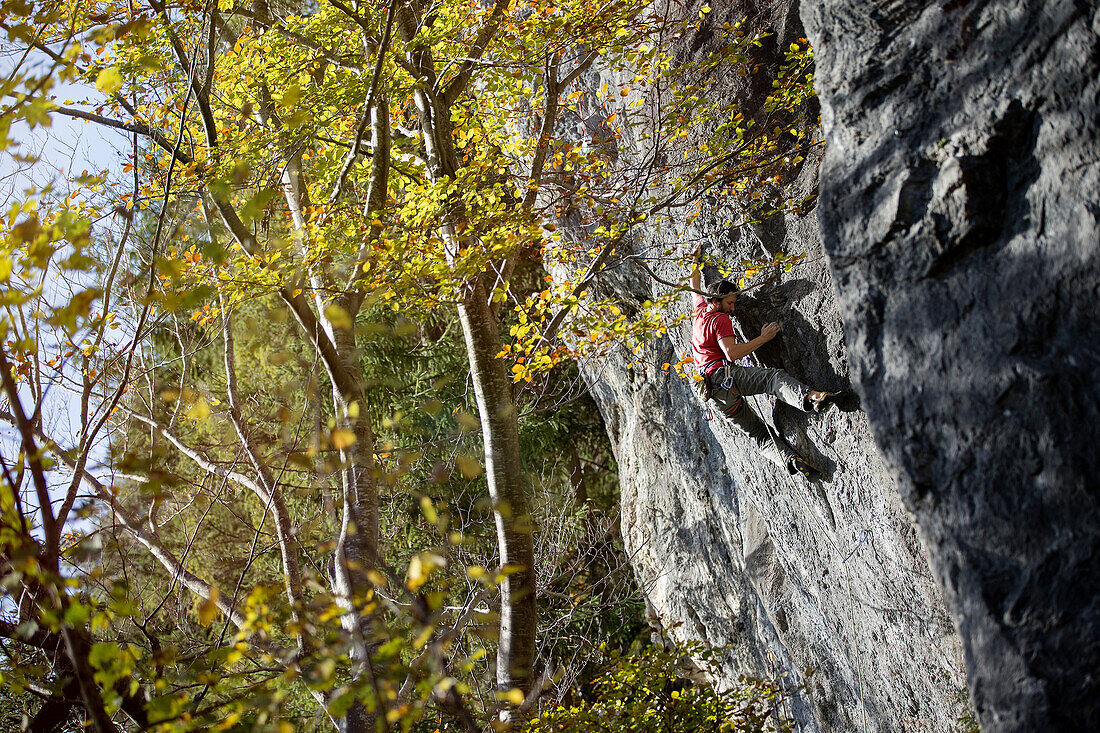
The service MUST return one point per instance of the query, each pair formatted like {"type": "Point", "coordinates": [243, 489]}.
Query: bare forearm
{"type": "Point", "coordinates": [735, 351]}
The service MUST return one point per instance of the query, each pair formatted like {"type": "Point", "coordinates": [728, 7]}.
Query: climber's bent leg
{"type": "Point", "coordinates": [753, 380]}
{"type": "Point", "coordinates": [775, 449]}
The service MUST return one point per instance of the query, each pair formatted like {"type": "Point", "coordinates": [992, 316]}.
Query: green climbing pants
{"type": "Point", "coordinates": [730, 383]}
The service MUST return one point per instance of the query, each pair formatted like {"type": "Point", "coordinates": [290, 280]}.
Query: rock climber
{"type": "Point", "coordinates": [716, 351]}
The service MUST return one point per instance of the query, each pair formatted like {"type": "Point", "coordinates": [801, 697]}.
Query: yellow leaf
{"type": "Point", "coordinates": [423, 636]}
{"type": "Point", "coordinates": [467, 421]}
{"type": "Point", "coordinates": [209, 608]}
{"type": "Point", "coordinates": [476, 571]}
{"type": "Point", "coordinates": [109, 80]}
{"type": "Point", "coordinates": [429, 510]}
{"type": "Point", "coordinates": [230, 720]}
{"type": "Point", "coordinates": [421, 567]}
{"type": "Point", "coordinates": [469, 466]}
{"type": "Point", "coordinates": [514, 696]}
{"type": "Point", "coordinates": [199, 410]}
{"type": "Point", "coordinates": [338, 317]}
{"type": "Point", "coordinates": [6, 266]}
{"type": "Point", "coordinates": [342, 438]}
{"type": "Point", "coordinates": [278, 358]}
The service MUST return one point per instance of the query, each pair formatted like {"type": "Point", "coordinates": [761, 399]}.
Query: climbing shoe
{"type": "Point", "coordinates": [799, 465]}
{"type": "Point", "coordinates": [827, 398]}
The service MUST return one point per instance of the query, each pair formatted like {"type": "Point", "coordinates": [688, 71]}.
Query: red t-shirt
{"type": "Point", "coordinates": [708, 328]}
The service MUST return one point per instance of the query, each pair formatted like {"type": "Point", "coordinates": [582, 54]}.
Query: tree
{"type": "Point", "coordinates": [256, 198]}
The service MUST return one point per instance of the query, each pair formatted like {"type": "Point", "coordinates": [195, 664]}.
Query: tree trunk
{"type": "Point", "coordinates": [491, 378]}
{"type": "Point", "coordinates": [503, 466]}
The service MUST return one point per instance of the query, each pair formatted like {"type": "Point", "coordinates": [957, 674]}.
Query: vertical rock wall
{"type": "Point", "coordinates": [791, 576]}
{"type": "Point", "coordinates": [728, 548]}
{"type": "Point", "coordinates": [959, 208]}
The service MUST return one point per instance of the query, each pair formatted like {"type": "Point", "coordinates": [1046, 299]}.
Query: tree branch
{"type": "Point", "coordinates": [457, 85]}
{"type": "Point", "coordinates": [163, 555]}
{"type": "Point", "coordinates": [368, 107]}
{"type": "Point", "coordinates": [292, 576]}
{"type": "Point", "coordinates": [139, 128]}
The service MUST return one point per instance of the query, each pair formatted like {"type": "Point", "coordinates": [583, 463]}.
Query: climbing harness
{"type": "Point", "coordinates": [727, 384]}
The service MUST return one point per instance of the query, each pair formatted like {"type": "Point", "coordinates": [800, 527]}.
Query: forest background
{"type": "Point", "coordinates": [296, 434]}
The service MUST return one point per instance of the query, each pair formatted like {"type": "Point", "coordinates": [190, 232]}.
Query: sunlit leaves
{"type": "Point", "coordinates": [109, 80]}
{"type": "Point", "coordinates": [648, 689]}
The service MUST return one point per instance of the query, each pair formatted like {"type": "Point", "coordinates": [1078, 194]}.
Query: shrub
{"type": "Point", "coordinates": [650, 689]}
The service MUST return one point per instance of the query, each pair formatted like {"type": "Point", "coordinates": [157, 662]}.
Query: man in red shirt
{"type": "Point", "coordinates": [716, 351]}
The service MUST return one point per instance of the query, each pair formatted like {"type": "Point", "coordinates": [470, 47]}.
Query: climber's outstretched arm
{"type": "Point", "coordinates": [697, 269]}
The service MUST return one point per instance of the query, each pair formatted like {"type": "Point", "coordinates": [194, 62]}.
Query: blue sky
{"type": "Point", "coordinates": [62, 150]}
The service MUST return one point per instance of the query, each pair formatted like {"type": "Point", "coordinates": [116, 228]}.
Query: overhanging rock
{"type": "Point", "coordinates": [959, 206]}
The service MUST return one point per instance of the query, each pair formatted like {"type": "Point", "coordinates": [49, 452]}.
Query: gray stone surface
{"type": "Point", "coordinates": [959, 202]}
{"type": "Point", "coordinates": [728, 548]}
{"type": "Point", "coordinates": [790, 575]}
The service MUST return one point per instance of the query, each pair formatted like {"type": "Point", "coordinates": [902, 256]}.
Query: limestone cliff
{"type": "Point", "coordinates": [952, 280]}
{"type": "Point", "coordinates": [728, 548]}
{"type": "Point", "coordinates": [731, 550]}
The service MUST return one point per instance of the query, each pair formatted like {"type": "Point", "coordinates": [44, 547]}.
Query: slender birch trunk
{"type": "Point", "coordinates": [495, 402]}
{"type": "Point", "coordinates": [507, 487]}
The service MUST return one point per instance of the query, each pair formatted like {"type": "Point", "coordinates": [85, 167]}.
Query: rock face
{"type": "Point", "coordinates": [728, 548]}
{"type": "Point", "coordinates": [959, 206]}
{"type": "Point", "coordinates": [732, 551]}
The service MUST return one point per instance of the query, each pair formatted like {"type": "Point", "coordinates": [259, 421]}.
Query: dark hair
{"type": "Point", "coordinates": [722, 289]}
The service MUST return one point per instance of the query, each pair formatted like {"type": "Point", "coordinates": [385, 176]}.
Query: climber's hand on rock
{"type": "Point", "coordinates": [769, 331]}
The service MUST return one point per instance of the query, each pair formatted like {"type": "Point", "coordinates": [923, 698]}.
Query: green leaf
{"type": "Point", "coordinates": [102, 653]}
{"type": "Point", "coordinates": [77, 614]}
